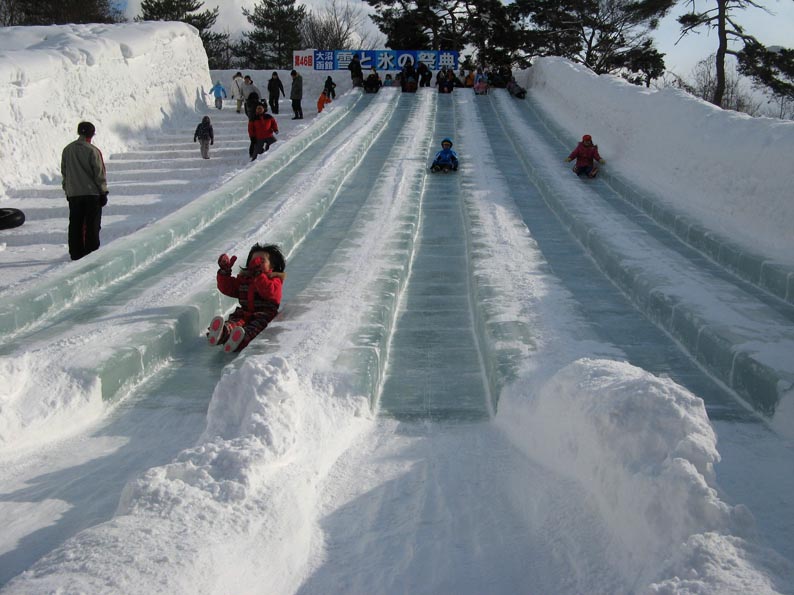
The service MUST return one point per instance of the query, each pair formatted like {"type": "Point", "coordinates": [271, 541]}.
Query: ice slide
{"type": "Point", "coordinates": [396, 293]}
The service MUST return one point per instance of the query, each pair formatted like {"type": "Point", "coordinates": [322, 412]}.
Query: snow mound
{"type": "Point", "coordinates": [126, 79]}
{"type": "Point", "coordinates": [249, 485]}
{"type": "Point", "coordinates": [644, 449]}
{"type": "Point", "coordinates": [72, 402]}
{"type": "Point", "coordinates": [725, 169]}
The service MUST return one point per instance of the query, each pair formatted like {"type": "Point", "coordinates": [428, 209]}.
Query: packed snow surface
{"type": "Point", "coordinates": [279, 467]}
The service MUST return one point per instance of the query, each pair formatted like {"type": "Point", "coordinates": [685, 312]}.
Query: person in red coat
{"type": "Point", "coordinates": [586, 155]}
{"type": "Point", "coordinates": [257, 287]}
{"type": "Point", "coordinates": [262, 129]}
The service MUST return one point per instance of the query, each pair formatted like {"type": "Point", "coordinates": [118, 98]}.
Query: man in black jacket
{"type": "Point", "coordinates": [274, 86]}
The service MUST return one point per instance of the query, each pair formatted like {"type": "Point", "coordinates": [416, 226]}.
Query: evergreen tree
{"type": "Point", "coordinates": [187, 11]}
{"type": "Point", "coordinates": [275, 35]}
{"type": "Point", "coordinates": [605, 35]}
{"type": "Point", "coordinates": [773, 69]}
{"type": "Point", "coordinates": [422, 24]}
{"type": "Point", "coordinates": [57, 12]}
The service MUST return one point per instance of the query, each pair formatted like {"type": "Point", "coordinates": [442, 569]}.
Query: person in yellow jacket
{"type": "Point", "coordinates": [86, 188]}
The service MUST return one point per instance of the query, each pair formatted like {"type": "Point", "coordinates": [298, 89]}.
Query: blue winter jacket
{"type": "Point", "coordinates": [446, 157]}
{"type": "Point", "coordinates": [218, 91]}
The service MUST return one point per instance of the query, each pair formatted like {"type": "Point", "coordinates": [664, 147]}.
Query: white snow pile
{"type": "Point", "coordinates": [250, 485]}
{"type": "Point", "coordinates": [642, 447]}
{"type": "Point", "coordinates": [126, 79]}
{"type": "Point", "coordinates": [729, 171]}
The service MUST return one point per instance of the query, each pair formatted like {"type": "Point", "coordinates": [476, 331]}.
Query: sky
{"type": "Point", "coordinates": [771, 29]}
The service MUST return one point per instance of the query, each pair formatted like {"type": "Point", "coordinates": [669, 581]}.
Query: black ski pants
{"type": "Point", "coordinates": [296, 107]}
{"type": "Point", "coordinates": [85, 216]}
{"type": "Point", "coordinates": [273, 101]}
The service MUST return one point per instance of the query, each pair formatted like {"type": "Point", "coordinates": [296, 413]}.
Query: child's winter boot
{"type": "Point", "coordinates": [216, 331]}
{"type": "Point", "coordinates": [237, 337]}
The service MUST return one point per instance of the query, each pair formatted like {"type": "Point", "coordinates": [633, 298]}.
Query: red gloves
{"type": "Point", "coordinates": [225, 263]}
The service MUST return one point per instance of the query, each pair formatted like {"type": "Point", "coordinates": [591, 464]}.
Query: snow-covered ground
{"type": "Point", "coordinates": [456, 397]}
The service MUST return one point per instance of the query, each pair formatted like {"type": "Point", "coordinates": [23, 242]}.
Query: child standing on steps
{"type": "Point", "coordinates": [205, 136]}
{"type": "Point", "coordinates": [220, 94]}
{"type": "Point", "coordinates": [258, 287]}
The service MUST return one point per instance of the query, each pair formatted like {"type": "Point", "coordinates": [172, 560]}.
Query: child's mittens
{"type": "Point", "coordinates": [225, 263]}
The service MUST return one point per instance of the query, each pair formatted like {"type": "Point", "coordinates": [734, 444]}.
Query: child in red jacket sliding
{"type": "Point", "coordinates": [258, 287]}
{"type": "Point", "coordinates": [261, 130]}
{"type": "Point", "coordinates": [586, 154]}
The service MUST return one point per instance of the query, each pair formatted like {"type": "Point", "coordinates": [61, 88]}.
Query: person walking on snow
{"type": "Point", "coordinates": [220, 94]}
{"type": "Point", "coordinates": [237, 90]}
{"type": "Point", "coordinates": [261, 131]}
{"type": "Point", "coordinates": [86, 188]}
{"type": "Point", "coordinates": [248, 88]}
{"type": "Point", "coordinates": [274, 87]}
{"type": "Point", "coordinates": [296, 94]}
{"type": "Point", "coordinates": [205, 136]}
{"type": "Point", "coordinates": [356, 74]}
{"type": "Point", "coordinates": [257, 287]}
{"type": "Point", "coordinates": [586, 154]}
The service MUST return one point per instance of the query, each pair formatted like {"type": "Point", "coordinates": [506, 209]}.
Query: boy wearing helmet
{"type": "Point", "coordinates": [586, 154]}
{"type": "Point", "coordinates": [446, 159]}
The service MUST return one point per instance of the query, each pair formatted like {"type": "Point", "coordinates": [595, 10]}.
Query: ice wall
{"type": "Point", "coordinates": [729, 171]}
{"type": "Point", "coordinates": [126, 79]}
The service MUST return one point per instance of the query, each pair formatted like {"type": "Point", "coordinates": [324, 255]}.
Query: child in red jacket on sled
{"type": "Point", "coordinates": [586, 155]}
{"type": "Point", "coordinates": [258, 287]}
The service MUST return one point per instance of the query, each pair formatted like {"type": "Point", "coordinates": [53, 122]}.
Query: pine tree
{"type": "Point", "coordinates": [186, 11]}
{"type": "Point", "coordinates": [275, 34]}
{"type": "Point", "coordinates": [57, 12]}
{"type": "Point", "coordinates": [771, 68]}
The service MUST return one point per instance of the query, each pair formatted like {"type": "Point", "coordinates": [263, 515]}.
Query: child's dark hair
{"type": "Point", "coordinates": [277, 260]}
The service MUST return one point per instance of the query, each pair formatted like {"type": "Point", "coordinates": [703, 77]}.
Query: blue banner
{"type": "Point", "coordinates": [385, 59]}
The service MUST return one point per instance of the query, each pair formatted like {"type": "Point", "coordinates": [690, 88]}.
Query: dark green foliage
{"type": "Point", "coordinates": [604, 35]}
{"type": "Point", "coordinates": [57, 12]}
{"type": "Point", "coordinates": [770, 68]}
{"type": "Point", "coordinates": [275, 34]}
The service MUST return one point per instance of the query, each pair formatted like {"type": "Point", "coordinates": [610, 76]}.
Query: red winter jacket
{"type": "Point", "coordinates": [258, 294]}
{"type": "Point", "coordinates": [584, 155]}
{"type": "Point", "coordinates": [262, 127]}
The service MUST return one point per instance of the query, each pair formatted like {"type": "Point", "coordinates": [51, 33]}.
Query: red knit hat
{"type": "Point", "coordinates": [586, 138]}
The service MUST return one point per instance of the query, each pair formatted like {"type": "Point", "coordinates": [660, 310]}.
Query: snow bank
{"type": "Point", "coordinates": [727, 170]}
{"type": "Point", "coordinates": [126, 79]}
{"type": "Point", "coordinates": [643, 448]}
{"type": "Point", "coordinates": [67, 402]}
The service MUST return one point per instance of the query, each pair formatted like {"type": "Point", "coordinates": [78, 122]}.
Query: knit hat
{"type": "Point", "coordinates": [446, 140]}
{"type": "Point", "coordinates": [587, 138]}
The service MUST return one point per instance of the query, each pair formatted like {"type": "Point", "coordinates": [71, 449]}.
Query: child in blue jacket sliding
{"type": "Point", "coordinates": [446, 159]}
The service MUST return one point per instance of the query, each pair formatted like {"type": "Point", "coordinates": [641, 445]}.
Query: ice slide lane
{"type": "Point", "coordinates": [435, 369]}
{"type": "Point", "coordinates": [737, 332]}
{"type": "Point", "coordinates": [169, 409]}
{"type": "Point", "coordinates": [612, 318]}
{"type": "Point", "coordinates": [127, 255]}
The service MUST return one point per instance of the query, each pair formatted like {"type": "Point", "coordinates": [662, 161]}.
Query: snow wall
{"type": "Point", "coordinates": [727, 170]}
{"type": "Point", "coordinates": [55, 77]}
